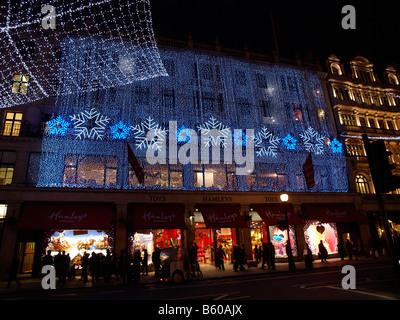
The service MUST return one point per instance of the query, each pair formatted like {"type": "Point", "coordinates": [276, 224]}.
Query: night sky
{"type": "Point", "coordinates": [301, 27]}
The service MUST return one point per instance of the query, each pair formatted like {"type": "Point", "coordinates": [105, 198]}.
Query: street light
{"type": "Point", "coordinates": [292, 266]}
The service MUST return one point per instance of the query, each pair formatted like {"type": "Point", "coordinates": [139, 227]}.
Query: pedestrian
{"type": "Point", "coordinates": [48, 259]}
{"type": "Point", "coordinates": [219, 258]}
{"type": "Point", "coordinates": [144, 263]}
{"type": "Point", "coordinates": [257, 254]}
{"type": "Point", "coordinates": [244, 260]}
{"type": "Point", "coordinates": [271, 256]}
{"type": "Point", "coordinates": [264, 255]}
{"type": "Point", "coordinates": [341, 249]}
{"type": "Point", "coordinates": [155, 257]}
{"type": "Point", "coordinates": [58, 265]}
{"type": "Point", "coordinates": [13, 271]}
{"type": "Point", "coordinates": [108, 266]}
{"type": "Point", "coordinates": [136, 265]}
{"type": "Point", "coordinates": [308, 257]}
{"type": "Point", "coordinates": [323, 253]}
{"type": "Point", "coordinates": [355, 249]}
{"type": "Point", "coordinates": [349, 248]}
{"type": "Point", "coordinates": [95, 266]}
{"type": "Point", "coordinates": [85, 266]}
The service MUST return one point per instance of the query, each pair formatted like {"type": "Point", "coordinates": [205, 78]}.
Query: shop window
{"type": "Point", "coordinates": [7, 160]}
{"type": "Point", "coordinates": [90, 170]}
{"type": "Point", "coordinates": [20, 83]}
{"type": "Point", "coordinates": [160, 238]}
{"type": "Point", "coordinates": [76, 243]}
{"type": "Point", "coordinates": [315, 232]}
{"type": "Point", "coordinates": [297, 111]}
{"type": "Point", "coordinates": [362, 184]}
{"type": "Point", "coordinates": [12, 124]}
{"type": "Point", "coordinates": [214, 176]}
{"type": "Point", "coordinates": [279, 238]}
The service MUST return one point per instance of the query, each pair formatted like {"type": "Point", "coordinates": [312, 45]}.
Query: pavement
{"type": "Point", "coordinates": [209, 272]}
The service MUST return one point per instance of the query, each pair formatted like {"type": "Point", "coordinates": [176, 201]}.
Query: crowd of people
{"type": "Point", "coordinates": [125, 267]}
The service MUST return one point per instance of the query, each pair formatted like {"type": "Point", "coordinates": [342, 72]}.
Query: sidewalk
{"type": "Point", "coordinates": [209, 272]}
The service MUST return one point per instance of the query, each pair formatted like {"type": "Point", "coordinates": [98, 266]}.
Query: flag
{"type": "Point", "coordinates": [135, 164]}
{"type": "Point", "coordinates": [308, 170]}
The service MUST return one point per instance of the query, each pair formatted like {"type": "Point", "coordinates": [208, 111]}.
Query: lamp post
{"type": "Point", "coordinates": [292, 266]}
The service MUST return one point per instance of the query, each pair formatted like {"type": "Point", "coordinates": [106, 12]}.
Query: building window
{"type": "Point", "coordinates": [371, 122]}
{"type": "Point", "coordinates": [90, 170]}
{"type": "Point", "coordinates": [20, 83]}
{"type": "Point", "coordinates": [341, 94]}
{"type": "Point", "coordinates": [348, 119]}
{"type": "Point", "coordinates": [7, 161]}
{"type": "Point", "coordinates": [381, 124]}
{"type": "Point", "coordinates": [265, 108]}
{"type": "Point", "coordinates": [355, 150]}
{"type": "Point", "coordinates": [364, 75]}
{"type": "Point", "coordinates": [362, 184]}
{"type": "Point", "coordinates": [362, 122]}
{"type": "Point", "coordinates": [336, 69]}
{"type": "Point", "coordinates": [393, 79]}
{"type": "Point", "coordinates": [12, 124]}
{"type": "Point", "coordinates": [390, 125]}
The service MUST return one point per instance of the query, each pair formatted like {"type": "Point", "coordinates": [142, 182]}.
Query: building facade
{"type": "Point", "coordinates": [366, 101]}
{"type": "Point", "coordinates": [218, 140]}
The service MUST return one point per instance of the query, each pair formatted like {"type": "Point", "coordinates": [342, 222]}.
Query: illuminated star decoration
{"type": "Point", "coordinates": [313, 141]}
{"type": "Point", "coordinates": [58, 126]}
{"type": "Point", "coordinates": [140, 134]}
{"type": "Point", "coordinates": [120, 131]}
{"type": "Point", "coordinates": [207, 129]}
{"type": "Point", "coordinates": [290, 142]}
{"type": "Point", "coordinates": [183, 134]}
{"type": "Point", "coordinates": [89, 124]}
{"type": "Point", "coordinates": [270, 148]}
{"type": "Point", "coordinates": [336, 146]}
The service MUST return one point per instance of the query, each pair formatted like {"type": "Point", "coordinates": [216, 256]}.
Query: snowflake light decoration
{"type": "Point", "coordinates": [58, 126]}
{"type": "Point", "coordinates": [89, 124]}
{"type": "Point", "coordinates": [120, 131]}
{"type": "Point", "coordinates": [208, 128]}
{"type": "Point", "coordinates": [313, 141]}
{"type": "Point", "coordinates": [290, 142]}
{"type": "Point", "coordinates": [187, 134]}
{"type": "Point", "coordinates": [336, 146]}
{"type": "Point", "coordinates": [140, 134]}
{"type": "Point", "coordinates": [270, 147]}
{"type": "Point", "coordinates": [114, 37]}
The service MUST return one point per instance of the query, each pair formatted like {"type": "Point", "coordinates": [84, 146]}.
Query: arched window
{"type": "Point", "coordinates": [336, 69]}
{"type": "Point", "coordinates": [362, 184]}
{"type": "Point", "coordinates": [392, 79]}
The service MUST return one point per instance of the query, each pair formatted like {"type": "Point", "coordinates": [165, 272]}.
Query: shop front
{"type": "Point", "coordinates": [152, 226]}
{"type": "Point", "coordinates": [76, 229]}
{"type": "Point", "coordinates": [217, 225]}
{"type": "Point", "coordinates": [331, 224]}
{"type": "Point", "coordinates": [269, 225]}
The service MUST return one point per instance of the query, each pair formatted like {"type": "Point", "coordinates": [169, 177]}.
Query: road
{"type": "Point", "coordinates": [372, 283]}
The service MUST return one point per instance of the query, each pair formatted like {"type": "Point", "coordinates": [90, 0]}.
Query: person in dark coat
{"type": "Point", "coordinates": [48, 259]}
{"type": "Point", "coordinates": [144, 263]}
{"type": "Point", "coordinates": [155, 257]}
{"type": "Point", "coordinates": [257, 254]}
{"type": "Point", "coordinates": [136, 265]}
{"type": "Point", "coordinates": [341, 249]}
{"type": "Point", "coordinates": [349, 248]}
{"type": "Point", "coordinates": [219, 258]}
{"type": "Point", "coordinates": [322, 251]}
{"type": "Point", "coordinates": [271, 256]}
{"type": "Point", "coordinates": [85, 265]}
{"type": "Point", "coordinates": [264, 255]}
{"type": "Point", "coordinates": [13, 271]}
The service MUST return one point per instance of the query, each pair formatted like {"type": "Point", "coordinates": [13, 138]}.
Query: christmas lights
{"type": "Point", "coordinates": [235, 104]}
{"type": "Point", "coordinates": [112, 41]}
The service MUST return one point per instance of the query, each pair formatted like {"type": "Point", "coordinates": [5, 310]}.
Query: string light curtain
{"type": "Point", "coordinates": [284, 106]}
{"type": "Point", "coordinates": [33, 35]}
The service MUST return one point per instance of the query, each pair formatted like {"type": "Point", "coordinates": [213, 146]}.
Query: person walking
{"type": "Point", "coordinates": [322, 251]}
{"type": "Point", "coordinates": [257, 254]}
{"type": "Point", "coordinates": [271, 256]}
{"type": "Point", "coordinates": [219, 258]}
{"type": "Point", "coordinates": [264, 255]}
{"type": "Point", "coordinates": [136, 265]}
{"type": "Point", "coordinates": [144, 263]}
{"type": "Point", "coordinates": [155, 257]}
{"type": "Point", "coordinates": [341, 249]}
{"type": "Point", "coordinates": [13, 271]}
{"type": "Point", "coordinates": [84, 265]}
{"type": "Point", "coordinates": [48, 259]}
{"type": "Point", "coordinates": [349, 248]}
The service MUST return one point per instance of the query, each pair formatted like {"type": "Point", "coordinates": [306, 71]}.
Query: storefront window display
{"type": "Point", "coordinates": [279, 239]}
{"type": "Point", "coordinates": [149, 239]}
{"type": "Point", "coordinates": [208, 239]}
{"type": "Point", "coordinates": [77, 242]}
{"type": "Point", "coordinates": [315, 231]}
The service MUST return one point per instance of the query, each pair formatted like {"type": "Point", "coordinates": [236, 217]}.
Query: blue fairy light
{"type": "Point", "coordinates": [290, 142]}
{"type": "Point", "coordinates": [336, 146]}
{"type": "Point", "coordinates": [58, 126]}
{"type": "Point", "coordinates": [120, 131]}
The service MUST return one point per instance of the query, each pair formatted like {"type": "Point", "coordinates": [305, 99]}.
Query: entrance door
{"type": "Point", "coordinates": [27, 251]}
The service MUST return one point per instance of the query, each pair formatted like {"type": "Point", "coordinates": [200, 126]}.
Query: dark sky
{"type": "Point", "coordinates": [301, 26]}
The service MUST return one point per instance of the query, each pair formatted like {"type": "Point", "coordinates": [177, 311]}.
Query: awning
{"type": "Point", "coordinates": [333, 213]}
{"type": "Point", "coordinates": [158, 217]}
{"type": "Point", "coordinates": [272, 213]}
{"type": "Point", "coordinates": [66, 216]}
{"type": "Point", "coordinates": [222, 216]}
